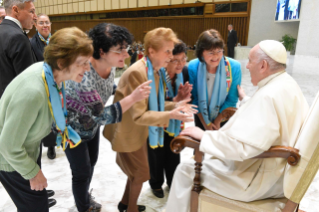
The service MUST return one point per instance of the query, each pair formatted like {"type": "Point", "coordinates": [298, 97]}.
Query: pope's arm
{"type": "Point", "coordinates": [251, 131]}
{"type": "Point", "coordinates": [220, 145]}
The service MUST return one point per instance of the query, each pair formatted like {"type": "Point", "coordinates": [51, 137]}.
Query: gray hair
{"type": "Point", "coordinates": [1, 7]}
{"type": "Point", "coordinates": [8, 4]}
{"type": "Point", "coordinates": [273, 65]}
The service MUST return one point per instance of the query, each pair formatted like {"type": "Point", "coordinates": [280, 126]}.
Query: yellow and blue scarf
{"type": "Point", "coordinates": [222, 83]}
{"type": "Point", "coordinates": [155, 103]}
{"type": "Point", "coordinates": [57, 104]}
{"type": "Point", "coordinates": [46, 41]}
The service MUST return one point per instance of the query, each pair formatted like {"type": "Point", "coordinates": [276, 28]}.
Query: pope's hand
{"type": "Point", "coordinates": [194, 132]}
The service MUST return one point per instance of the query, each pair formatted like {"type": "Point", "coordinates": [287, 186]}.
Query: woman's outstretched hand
{"type": "Point", "coordinates": [184, 92]}
{"type": "Point", "coordinates": [142, 91]}
{"type": "Point", "coordinates": [186, 108]}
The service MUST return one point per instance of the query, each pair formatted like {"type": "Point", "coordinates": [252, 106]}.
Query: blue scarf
{"type": "Point", "coordinates": [57, 105]}
{"type": "Point", "coordinates": [220, 91]}
{"type": "Point", "coordinates": [155, 103]}
{"type": "Point", "coordinates": [174, 126]}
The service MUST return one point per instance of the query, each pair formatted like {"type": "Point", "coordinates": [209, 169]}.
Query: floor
{"type": "Point", "coordinates": [109, 181]}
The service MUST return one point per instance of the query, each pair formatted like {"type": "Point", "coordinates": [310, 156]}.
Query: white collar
{"type": "Point", "coordinates": [14, 20]}
{"type": "Point", "coordinates": [263, 82]}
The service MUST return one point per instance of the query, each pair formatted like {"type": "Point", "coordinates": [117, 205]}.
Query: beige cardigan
{"type": "Point", "coordinates": [130, 134]}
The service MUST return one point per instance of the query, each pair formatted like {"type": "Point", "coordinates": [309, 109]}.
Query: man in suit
{"type": "Point", "coordinates": [15, 49]}
{"type": "Point", "coordinates": [2, 13]}
{"type": "Point", "coordinates": [231, 41]}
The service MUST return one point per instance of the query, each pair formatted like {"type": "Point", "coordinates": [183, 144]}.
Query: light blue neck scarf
{"type": "Point", "coordinates": [66, 134]}
{"type": "Point", "coordinates": [210, 110]}
{"type": "Point", "coordinates": [174, 126]}
{"type": "Point", "coordinates": [156, 103]}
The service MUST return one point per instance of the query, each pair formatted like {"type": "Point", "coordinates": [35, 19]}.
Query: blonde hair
{"type": "Point", "coordinates": [154, 38]}
{"type": "Point", "coordinates": [67, 44]}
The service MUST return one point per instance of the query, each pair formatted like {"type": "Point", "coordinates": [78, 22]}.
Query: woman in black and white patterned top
{"type": "Point", "coordinates": [86, 111]}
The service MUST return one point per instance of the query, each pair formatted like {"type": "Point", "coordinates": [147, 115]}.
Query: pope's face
{"type": "Point", "coordinates": [254, 66]}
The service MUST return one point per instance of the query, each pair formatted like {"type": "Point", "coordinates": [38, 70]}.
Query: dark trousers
{"type": "Point", "coordinates": [162, 160]}
{"type": "Point", "coordinates": [82, 160]}
{"type": "Point", "coordinates": [231, 51]}
{"type": "Point", "coordinates": [49, 140]}
{"type": "Point", "coordinates": [25, 199]}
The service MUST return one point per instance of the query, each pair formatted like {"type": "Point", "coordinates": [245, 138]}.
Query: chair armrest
{"type": "Point", "coordinates": [228, 113]}
{"type": "Point", "coordinates": [180, 142]}
{"type": "Point", "coordinates": [289, 153]}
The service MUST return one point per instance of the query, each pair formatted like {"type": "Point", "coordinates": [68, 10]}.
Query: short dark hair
{"type": "Point", "coordinates": [179, 48]}
{"type": "Point", "coordinates": [106, 35]}
{"type": "Point", "coordinates": [208, 40]}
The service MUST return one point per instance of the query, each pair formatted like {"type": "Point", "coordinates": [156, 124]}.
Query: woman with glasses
{"type": "Point", "coordinates": [163, 159]}
{"type": "Point", "coordinates": [42, 37]}
{"type": "Point", "coordinates": [143, 125]}
{"type": "Point", "coordinates": [85, 103]}
{"type": "Point", "coordinates": [40, 40]}
{"type": "Point", "coordinates": [214, 78]}
{"type": "Point", "coordinates": [31, 103]}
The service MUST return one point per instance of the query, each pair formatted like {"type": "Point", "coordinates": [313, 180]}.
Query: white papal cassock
{"type": "Point", "coordinates": [273, 116]}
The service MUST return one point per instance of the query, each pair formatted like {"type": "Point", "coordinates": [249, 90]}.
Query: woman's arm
{"type": "Point", "coordinates": [141, 92]}
{"type": "Point", "coordinates": [141, 113]}
{"type": "Point", "coordinates": [113, 113]}
{"type": "Point", "coordinates": [20, 116]}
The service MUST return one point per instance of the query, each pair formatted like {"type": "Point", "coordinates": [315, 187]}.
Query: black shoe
{"type": "Point", "coordinates": [122, 207]}
{"type": "Point", "coordinates": [51, 152]}
{"type": "Point", "coordinates": [158, 193]}
{"type": "Point", "coordinates": [95, 205]}
{"type": "Point", "coordinates": [50, 193]}
{"type": "Point", "coordinates": [51, 202]}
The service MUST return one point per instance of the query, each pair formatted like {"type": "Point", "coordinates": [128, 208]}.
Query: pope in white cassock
{"type": "Point", "coordinates": [272, 116]}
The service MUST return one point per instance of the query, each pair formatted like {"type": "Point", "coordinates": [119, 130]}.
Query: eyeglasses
{"type": "Point", "coordinates": [215, 52]}
{"type": "Point", "coordinates": [179, 61]}
{"type": "Point", "coordinates": [122, 50]}
{"type": "Point", "coordinates": [41, 23]}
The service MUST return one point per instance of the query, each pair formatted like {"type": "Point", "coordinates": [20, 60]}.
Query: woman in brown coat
{"type": "Point", "coordinates": [143, 124]}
